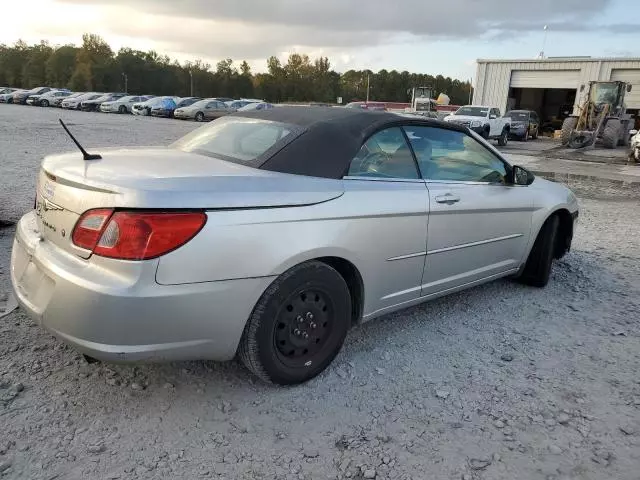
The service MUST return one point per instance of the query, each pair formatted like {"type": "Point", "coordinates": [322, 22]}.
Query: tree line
{"type": "Point", "coordinates": [94, 66]}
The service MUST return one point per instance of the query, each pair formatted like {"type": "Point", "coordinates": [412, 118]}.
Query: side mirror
{"type": "Point", "coordinates": [522, 176]}
{"type": "Point", "coordinates": [628, 87]}
{"type": "Point", "coordinates": [492, 117]}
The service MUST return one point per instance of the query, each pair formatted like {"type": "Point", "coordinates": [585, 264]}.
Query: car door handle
{"type": "Point", "coordinates": [447, 198]}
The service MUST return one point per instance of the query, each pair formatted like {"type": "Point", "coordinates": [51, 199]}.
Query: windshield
{"type": "Point", "coordinates": [518, 116]}
{"type": "Point", "coordinates": [187, 101]}
{"type": "Point", "coordinates": [201, 103]}
{"type": "Point", "coordinates": [604, 93]}
{"type": "Point", "coordinates": [473, 111]}
{"type": "Point", "coordinates": [237, 139]}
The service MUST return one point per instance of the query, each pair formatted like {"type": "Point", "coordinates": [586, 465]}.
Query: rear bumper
{"type": "Point", "coordinates": [121, 313]}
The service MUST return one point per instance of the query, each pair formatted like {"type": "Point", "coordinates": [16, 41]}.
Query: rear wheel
{"type": "Point", "coordinates": [525, 137]}
{"type": "Point", "coordinates": [122, 109]}
{"type": "Point", "coordinates": [199, 117]}
{"type": "Point", "coordinates": [537, 270]}
{"type": "Point", "coordinates": [298, 326]}
{"type": "Point", "coordinates": [504, 138]}
{"type": "Point", "coordinates": [611, 133]}
{"type": "Point", "coordinates": [535, 134]}
{"type": "Point", "coordinates": [44, 103]}
{"type": "Point", "coordinates": [568, 125]}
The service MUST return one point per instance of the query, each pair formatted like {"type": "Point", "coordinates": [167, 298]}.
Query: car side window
{"type": "Point", "coordinates": [385, 154]}
{"type": "Point", "coordinates": [450, 155]}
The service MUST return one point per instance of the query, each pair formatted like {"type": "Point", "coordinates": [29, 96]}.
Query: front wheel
{"type": "Point", "coordinates": [44, 103]}
{"type": "Point", "coordinates": [535, 134]}
{"type": "Point", "coordinates": [298, 326]}
{"type": "Point", "coordinates": [122, 109]}
{"type": "Point", "coordinates": [199, 117]}
{"type": "Point", "coordinates": [525, 137]}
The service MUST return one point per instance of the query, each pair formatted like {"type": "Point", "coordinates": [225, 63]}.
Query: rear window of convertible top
{"type": "Point", "coordinates": [244, 140]}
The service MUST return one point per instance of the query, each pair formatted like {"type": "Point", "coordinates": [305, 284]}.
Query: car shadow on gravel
{"type": "Point", "coordinates": [427, 331]}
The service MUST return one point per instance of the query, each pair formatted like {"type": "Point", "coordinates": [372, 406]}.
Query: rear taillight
{"type": "Point", "coordinates": [136, 235]}
{"type": "Point", "coordinates": [89, 227]}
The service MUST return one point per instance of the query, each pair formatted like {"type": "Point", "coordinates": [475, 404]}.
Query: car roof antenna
{"type": "Point", "coordinates": [86, 155]}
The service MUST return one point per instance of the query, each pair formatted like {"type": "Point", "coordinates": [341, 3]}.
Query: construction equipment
{"type": "Point", "coordinates": [601, 117]}
{"type": "Point", "coordinates": [421, 100]}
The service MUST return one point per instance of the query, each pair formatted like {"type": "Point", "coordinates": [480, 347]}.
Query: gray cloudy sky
{"type": "Point", "coordinates": [417, 35]}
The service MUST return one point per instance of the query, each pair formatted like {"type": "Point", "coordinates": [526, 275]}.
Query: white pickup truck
{"type": "Point", "coordinates": [486, 121]}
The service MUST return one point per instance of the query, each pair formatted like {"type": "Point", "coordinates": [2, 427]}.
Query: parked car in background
{"type": "Point", "coordinates": [167, 107]}
{"type": "Point", "coordinates": [525, 124]}
{"type": "Point", "coordinates": [75, 102]}
{"type": "Point", "coordinates": [203, 110]}
{"type": "Point", "coordinates": [227, 99]}
{"type": "Point", "coordinates": [144, 108]}
{"type": "Point", "coordinates": [256, 106]}
{"type": "Point", "coordinates": [49, 98]}
{"type": "Point", "coordinates": [58, 102]}
{"type": "Point", "coordinates": [7, 94]}
{"type": "Point", "coordinates": [122, 105]}
{"type": "Point", "coordinates": [164, 108]}
{"type": "Point", "coordinates": [94, 105]}
{"type": "Point", "coordinates": [236, 104]}
{"type": "Point", "coordinates": [484, 120]}
{"type": "Point", "coordinates": [21, 96]}
{"type": "Point", "coordinates": [375, 106]}
{"type": "Point", "coordinates": [365, 197]}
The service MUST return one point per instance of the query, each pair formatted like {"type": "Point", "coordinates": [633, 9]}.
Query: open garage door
{"type": "Point", "coordinates": [545, 79]}
{"type": "Point", "coordinates": [632, 98]}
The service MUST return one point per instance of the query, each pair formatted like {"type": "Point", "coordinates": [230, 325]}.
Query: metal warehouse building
{"type": "Point", "coordinates": [551, 86]}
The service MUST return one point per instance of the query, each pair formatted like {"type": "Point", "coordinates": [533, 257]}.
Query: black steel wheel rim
{"type": "Point", "coordinates": [303, 327]}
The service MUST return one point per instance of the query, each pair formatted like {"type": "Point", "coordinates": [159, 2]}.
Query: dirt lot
{"type": "Point", "coordinates": [499, 382]}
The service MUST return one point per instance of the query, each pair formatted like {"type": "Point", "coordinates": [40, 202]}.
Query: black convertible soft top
{"type": "Point", "coordinates": [331, 136]}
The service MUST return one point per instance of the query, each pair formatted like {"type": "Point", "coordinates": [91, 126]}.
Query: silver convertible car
{"type": "Point", "coordinates": [268, 234]}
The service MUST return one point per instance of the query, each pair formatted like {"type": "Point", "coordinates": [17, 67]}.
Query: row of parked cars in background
{"type": "Point", "coordinates": [186, 108]}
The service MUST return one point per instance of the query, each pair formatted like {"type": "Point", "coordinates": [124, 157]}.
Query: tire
{"type": "Point", "coordinates": [624, 135]}
{"type": "Point", "coordinates": [568, 126]}
{"type": "Point", "coordinates": [44, 103]}
{"type": "Point", "coordinates": [535, 135]}
{"type": "Point", "coordinates": [503, 139]}
{"type": "Point", "coordinates": [199, 117]}
{"type": "Point", "coordinates": [122, 109]}
{"type": "Point", "coordinates": [537, 270]}
{"type": "Point", "coordinates": [525, 137]}
{"type": "Point", "coordinates": [309, 299]}
{"type": "Point", "coordinates": [611, 133]}
{"type": "Point", "coordinates": [485, 133]}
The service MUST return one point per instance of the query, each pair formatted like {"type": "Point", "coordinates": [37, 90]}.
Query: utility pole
{"type": "Point", "coordinates": [126, 82]}
{"type": "Point", "coordinates": [191, 75]}
{"type": "Point", "coordinates": [470, 89]}
{"type": "Point", "coordinates": [544, 41]}
{"type": "Point", "coordinates": [367, 87]}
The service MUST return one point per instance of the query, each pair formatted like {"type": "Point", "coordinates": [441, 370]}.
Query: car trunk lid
{"type": "Point", "coordinates": [161, 178]}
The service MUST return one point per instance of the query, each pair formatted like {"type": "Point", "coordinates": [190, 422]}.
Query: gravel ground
{"type": "Point", "coordinates": [499, 382]}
